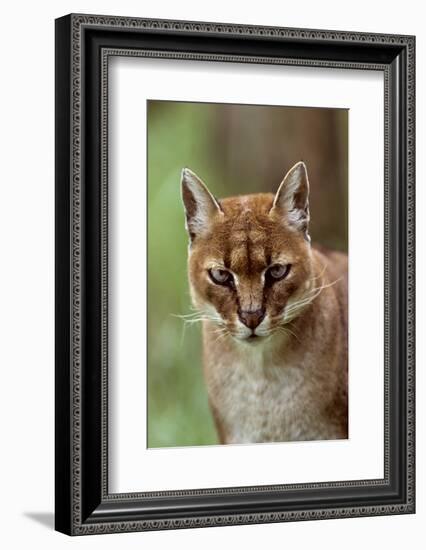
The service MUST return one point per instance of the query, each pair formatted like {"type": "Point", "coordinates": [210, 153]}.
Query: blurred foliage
{"type": "Point", "coordinates": [235, 149]}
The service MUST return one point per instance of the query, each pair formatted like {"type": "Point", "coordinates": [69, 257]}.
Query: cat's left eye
{"type": "Point", "coordinates": [278, 271]}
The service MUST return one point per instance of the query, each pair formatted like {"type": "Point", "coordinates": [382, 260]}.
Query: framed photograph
{"type": "Point", "coordinates": [234, 274]}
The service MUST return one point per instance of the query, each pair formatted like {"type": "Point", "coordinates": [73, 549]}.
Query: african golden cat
{"type": "Point", "coordinates": [274, 314]}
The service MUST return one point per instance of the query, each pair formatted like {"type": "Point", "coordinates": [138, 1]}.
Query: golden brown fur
{"type": "Point", "coordinates": [275, 331]}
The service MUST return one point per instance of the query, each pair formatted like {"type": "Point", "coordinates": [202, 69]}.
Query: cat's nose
{"type": "Point", "coordinates": [251, 319]}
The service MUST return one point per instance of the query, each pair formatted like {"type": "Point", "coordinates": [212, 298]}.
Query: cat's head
{"type": "Point", "coordinates": [250, 264]}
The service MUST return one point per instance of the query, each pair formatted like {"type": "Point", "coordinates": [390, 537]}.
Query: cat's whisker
{"type": "Point", "coordinates": [309, 298]}
{"type": "Point", "coordinates": [220, 329]}
{"type": "Point", "coordinates": [328, 284]}
{"type": "Point", "coordinates": [197, 317]}
{"type": "Point", "coordinates": [293, 310]}
{"type": "Point", "coordinates": [292, 333]}
{"type": "Point", "coordinates": [193, 321]}
{"type": "Point", "coordinates": [319, 275]}
{"type": "Point", "coordinates": [187, 315]}
{"type": "Point", "coordinates": [222, 333]}
{"type": "Point", "coordinates": [286, 331]}
{"type": "Point", "coordinates": [298, 305]}
{"type": "Point", "coordinates": [182, 338]}
{"type": "Point", "coordinates": [291, 315]}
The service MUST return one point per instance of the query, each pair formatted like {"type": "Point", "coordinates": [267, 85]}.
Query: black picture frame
{"type": "Point", "coordinates": [83, 45]}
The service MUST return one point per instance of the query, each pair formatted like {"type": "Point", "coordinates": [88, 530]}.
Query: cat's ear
{"type": "Point", "coordinates": [292, 198]}
{"type": "Point", "coordinates": [200, 205]}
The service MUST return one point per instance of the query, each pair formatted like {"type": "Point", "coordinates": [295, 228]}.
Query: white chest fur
{"type": "Point", "coordinates": [261, 401]}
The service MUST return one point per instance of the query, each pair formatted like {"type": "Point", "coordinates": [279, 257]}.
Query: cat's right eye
{"type": "Point", "coordinates": [221, 276]}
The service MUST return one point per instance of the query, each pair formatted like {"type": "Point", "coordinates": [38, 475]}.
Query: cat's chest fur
{"type": "Point", "coordinates": [260, 399]}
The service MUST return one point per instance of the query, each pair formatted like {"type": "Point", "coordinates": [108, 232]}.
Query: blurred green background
{"type": "Point", "coordinates": [235, 149]}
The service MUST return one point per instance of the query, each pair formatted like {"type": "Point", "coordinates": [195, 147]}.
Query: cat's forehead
{"type": "Point", "coordinates": [247, 219]}
{"type": "Point", "coordinates": [249, 239]}
{"type": "Point", "coordinates": [247, 206]}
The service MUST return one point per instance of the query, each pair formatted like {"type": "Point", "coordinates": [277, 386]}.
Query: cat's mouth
{"type": "Point", "coordinates": [246, 334]}
{"type": "Point", "coordinates": [251, 339]}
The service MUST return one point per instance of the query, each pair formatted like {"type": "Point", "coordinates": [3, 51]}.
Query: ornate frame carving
{"type": "Point", "coordinates": [83, 504]}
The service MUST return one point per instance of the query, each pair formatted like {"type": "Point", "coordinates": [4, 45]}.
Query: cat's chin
{"type": "Point", "coordinates": [252, 340]}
